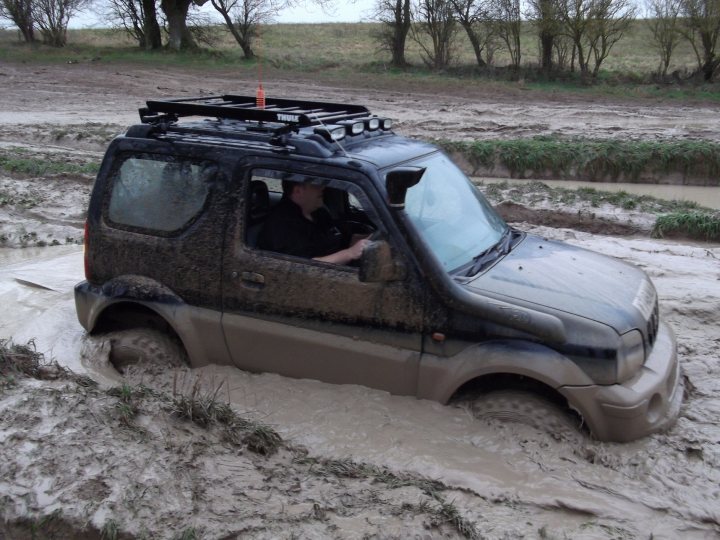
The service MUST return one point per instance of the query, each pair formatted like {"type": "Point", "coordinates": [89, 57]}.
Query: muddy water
{"type": "Point", "coordinates": [708, 196]}
{"type": "Point", "coordinates": [36, 299]}
{"type": "Point", "coordinates": [665, 486]}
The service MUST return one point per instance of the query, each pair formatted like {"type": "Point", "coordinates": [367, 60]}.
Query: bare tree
{"type": "Point", "coordinates": [665, 27]}
{"type": "Point", "coordinates": [544, 14]}
{"type": "Point", "coordinates": [52, 17]}
{"type": "Point", "coordinates": [139, 19]}
{"type": "Point", "coordinates": [594, 27]}
{"type": "Point", "coordinates": [701, 27]}
{"type": "Point", "coordinates": [575, 18]}
{"type": "Point", "coordinates": [609, 20]}
{"type": "Point", "coordinates": [242, 18]}
{"type": "Point", "coordinates": [395, 17]}
{"type": "Point", "coordinates": [507, 19]}
{"type": "Point", "coordinates": [20, 12]}
{"type": "Point", "coordinates": [563, 48]}
{"type": "Point", "coordinates": [435, 19]}
{"type": "Point", "coordinates": [474, 17]}
{"type": "Point", "coordinates": [176, 12]}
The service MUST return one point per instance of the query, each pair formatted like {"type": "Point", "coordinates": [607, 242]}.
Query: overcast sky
{"type": "Point", "coordinates": [342, 12]}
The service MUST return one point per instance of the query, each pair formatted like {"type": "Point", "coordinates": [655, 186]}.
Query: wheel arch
{"type": "Point", "coordinates": [136, 301]}
{"type": "Point", "coordinates": [529, 365]}
{"type": "Point", "coordinates": [508, 381]}
{"type": "Point", "coordinates": [127, 314]}
{"type": "Point", "coordinates": [441, 376]}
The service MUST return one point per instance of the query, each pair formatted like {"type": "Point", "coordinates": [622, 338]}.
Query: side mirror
{"type": "Point", "coordinates": [398, 181]}
{"type": "Point", "coordinates": [377, 264]}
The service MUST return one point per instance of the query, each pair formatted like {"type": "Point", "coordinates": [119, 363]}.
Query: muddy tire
{"type": "Point", "coordinates": [526, 408]}
{"type": "Point", "coordinates": [149, 349]}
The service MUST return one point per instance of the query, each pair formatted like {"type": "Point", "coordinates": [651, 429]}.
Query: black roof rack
{"type": "Point", "coordinates": [285, 111]}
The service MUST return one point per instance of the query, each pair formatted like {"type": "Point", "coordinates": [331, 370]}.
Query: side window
{"type": "Point", "coordinates": [342, 214]}
{"type": "Point", "coordinates": [160, 193]}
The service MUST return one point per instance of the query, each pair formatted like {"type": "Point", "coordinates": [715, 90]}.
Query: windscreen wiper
{"type": "Point", "coordinates": [502, 247]}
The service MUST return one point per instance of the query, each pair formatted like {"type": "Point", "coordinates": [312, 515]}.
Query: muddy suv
{"type": "Point", "coordinates": [446, 299]}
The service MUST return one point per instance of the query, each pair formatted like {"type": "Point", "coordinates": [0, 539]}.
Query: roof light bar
{"type": "Point", "coordinates": [386, 124]}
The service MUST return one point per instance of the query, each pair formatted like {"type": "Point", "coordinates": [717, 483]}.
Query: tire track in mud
{"type": "Point", "coordinates": [102, 94]}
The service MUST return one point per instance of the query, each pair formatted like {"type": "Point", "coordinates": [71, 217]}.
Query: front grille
{"type": "Point", "coordinates": [652, 326]}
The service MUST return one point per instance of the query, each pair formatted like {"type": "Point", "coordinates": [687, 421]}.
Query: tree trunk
{"type": "Point", "coordinates": [709, 61]}
{"type": "Point", "coordinates": [179, 34]}
{"type": "Point", "coordinates": [247, 50]}
{"type": "Point", "coordinates": [151, 28]}
{"type": "Point", "coordinates": [475, 42]}
{"type": "Point", "coordinates": [20, 13]}
{"type": "Point", "coordinates": [401, 29]}
{"type": "Point", "coordinates": [547, 42]}
{"type": "Point", "coordinates": [243, 39]}
{"type": "Point", "coordinates": [28, 34]}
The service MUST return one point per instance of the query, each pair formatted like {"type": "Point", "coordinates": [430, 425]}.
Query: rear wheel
{"type": "Point", "coordinates": [150, 349]}
{"type": "Point", "coordinates": [526, 408]}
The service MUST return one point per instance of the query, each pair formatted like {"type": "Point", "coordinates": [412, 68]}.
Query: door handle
{"type": "Point", "coordinates": [253, 277]}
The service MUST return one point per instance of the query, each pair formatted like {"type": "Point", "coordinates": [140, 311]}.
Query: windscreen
{"type": "Point", "coordinates": [450, 214]}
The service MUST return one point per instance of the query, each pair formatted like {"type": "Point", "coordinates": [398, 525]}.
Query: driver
{"type": "Point", "coordinates": [300, 225]}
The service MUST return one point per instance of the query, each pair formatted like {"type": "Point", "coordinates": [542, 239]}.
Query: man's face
{"type": "Point", "coordinates": [309, 197]}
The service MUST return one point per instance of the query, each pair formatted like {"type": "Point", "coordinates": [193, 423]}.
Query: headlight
{"type": "Point", "coordinates": [631, 355]}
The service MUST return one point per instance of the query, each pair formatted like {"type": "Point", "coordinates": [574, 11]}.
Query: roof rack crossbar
{"type": "Point", "coordinates": [283, 111]}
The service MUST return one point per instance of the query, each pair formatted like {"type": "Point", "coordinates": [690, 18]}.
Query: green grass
{"type": "Point", "coordinates": [204, 409]}
{"type": "Point", "coordinates": [110, 530]}
{"type": "Point", "coordinates": [128, 404]}
{"type": "Point", "coordinates": [587, 159]}
{"type": "Point", "coordinates": [24, 360]}
{"type": "Point", "coordinates": [695, 225]}
{"type": "Point", "coordinates": [22, 161]}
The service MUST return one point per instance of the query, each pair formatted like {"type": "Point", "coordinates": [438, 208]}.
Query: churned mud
{"type": "Point", "coordinates": [110, 94]}
{"type": "Point", "coordinates": [86, 461]}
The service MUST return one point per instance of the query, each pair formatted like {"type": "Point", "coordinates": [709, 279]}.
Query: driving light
{"type": "Point", "coordinates": [372, 123]}
{"type": "Point", "coordinates": [333, 133]}
{"type": "Point", "coordinates": [352, 127]}
{"type": "Point", "coordinates": [631, 355]}
{"type": "Point", "coordinates": [386, 124]}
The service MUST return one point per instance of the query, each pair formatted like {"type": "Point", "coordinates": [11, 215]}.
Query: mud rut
{"type": "Point", "coordinates": [68, 455]}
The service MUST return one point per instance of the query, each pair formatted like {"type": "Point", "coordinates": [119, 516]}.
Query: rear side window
{"type": "Point", "coordinates": [159, 192]}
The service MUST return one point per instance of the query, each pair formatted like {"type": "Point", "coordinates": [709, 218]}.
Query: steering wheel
{"type": "Point", "coordinates": [375, 235]}
{"type": "Point", "coordinates": [359, 227]}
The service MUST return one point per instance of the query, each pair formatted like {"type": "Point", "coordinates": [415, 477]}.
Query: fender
{"type": "Point", "coordinates": [199, 329]}
{"type": "Point", "coordinates": [440, 377]}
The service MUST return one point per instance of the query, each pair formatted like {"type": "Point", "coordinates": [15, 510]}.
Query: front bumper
{"type": "Point", "coordinates": [647, 403]}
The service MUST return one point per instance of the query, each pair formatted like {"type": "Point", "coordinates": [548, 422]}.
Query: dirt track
{"type": "Point", "coordinates": [510, 480]}
{"type": "Point", "coordinates": [110, 94]}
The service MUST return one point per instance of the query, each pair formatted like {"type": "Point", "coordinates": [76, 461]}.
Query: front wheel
{"type": "Point", "coordinates": [152, 350]}
{"type": "Point", "coordinates": [526, 408]}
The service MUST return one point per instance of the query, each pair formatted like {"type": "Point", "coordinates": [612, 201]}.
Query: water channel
{"type": "Point", "coordinates": [707, 196]}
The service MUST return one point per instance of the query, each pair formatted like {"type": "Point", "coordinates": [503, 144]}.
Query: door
{"type": "Point", "coordinates": [304, 318]}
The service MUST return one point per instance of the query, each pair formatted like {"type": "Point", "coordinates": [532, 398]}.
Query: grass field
{"type": "Point", "coordinates": [342, 50]}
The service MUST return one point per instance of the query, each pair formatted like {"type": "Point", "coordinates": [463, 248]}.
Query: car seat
{"type": "Point", "coordinates": [258, 210]}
